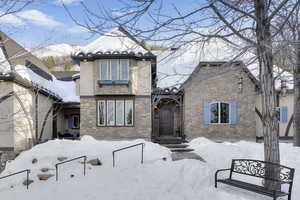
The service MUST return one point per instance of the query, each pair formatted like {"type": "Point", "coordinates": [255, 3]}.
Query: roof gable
{"type": "Point", "coordinates": [117, 40]}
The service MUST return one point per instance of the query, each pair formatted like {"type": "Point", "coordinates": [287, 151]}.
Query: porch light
{"type": "Point", "coordinates": [283, 87]}
{"type": "Point", "coordinates": [240, 84]}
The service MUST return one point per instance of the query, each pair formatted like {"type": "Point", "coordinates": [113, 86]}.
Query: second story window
{"type": "Point", "coordinates": [114, 69]}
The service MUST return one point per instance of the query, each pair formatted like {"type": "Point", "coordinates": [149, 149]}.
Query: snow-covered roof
{"type": "Point", "coordinates": [64, 89]}
{"type": "Point", "coordinates": [115, 40]}
{"type": "Point", "coordinates": [4, 64]}
{"type": "Point", "coordinates": [175, 66]}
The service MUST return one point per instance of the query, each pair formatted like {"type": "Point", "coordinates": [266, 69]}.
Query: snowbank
{"type": "Point", "coordinates": [154, 180]}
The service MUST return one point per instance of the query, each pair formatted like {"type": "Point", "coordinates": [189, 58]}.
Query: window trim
{"type": "Point", "coordinates": [109, 70]}
{"type": "Point", "coordinates": [133, 113]}
{"type": "Point", "coordinates": [98, 118]}
{"type": "Point", "coordinates": [120, 100]}
{"type": "Point", "coordinates": [219, 112]}
{"type": "Point", "coordinates": [73, 126]}
{"type": "Point", "coordinates": [115, 113]}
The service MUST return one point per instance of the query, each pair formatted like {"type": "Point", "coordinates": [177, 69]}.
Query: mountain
{"type": "Point", "coordinates": [57, 57]}
{"type": "Point", "coordinates": [55, 50]}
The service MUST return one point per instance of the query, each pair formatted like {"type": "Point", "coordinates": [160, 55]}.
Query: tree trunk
{"type": "Point", "coordinates": [297, 95]}
{"type": "Point", "coordinates": [269, 100]}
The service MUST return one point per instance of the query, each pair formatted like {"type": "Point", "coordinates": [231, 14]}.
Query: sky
{"type": "Point", "coordinates": [47, 22]}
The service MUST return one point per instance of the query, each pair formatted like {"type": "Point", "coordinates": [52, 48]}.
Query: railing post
{"type": "Point", "coordinates": [142, 154]}
{"type": "Point", "coordinates": [56, 169]}
{"type": "Point", "coordinates": [84, 167]}
{"type": "Point", "coordinates": [28, 171]}
{"type": "Point", "coordinates": [113, 159]}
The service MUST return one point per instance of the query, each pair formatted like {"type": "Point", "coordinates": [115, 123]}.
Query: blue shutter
{"type": "Point", "coordinates": [206, 112]}
{"type": "Point", "coordinates": [70, 121]}
{"type": "Point", "coordinates": [233, 112]}
{"type": "Point", "coordinates": [284, 114]}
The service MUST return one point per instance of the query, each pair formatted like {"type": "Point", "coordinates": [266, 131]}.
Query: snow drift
{"type": "Point", "coordinates": [156, 179]}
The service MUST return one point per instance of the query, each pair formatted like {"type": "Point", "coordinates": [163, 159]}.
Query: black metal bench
{"type": "Point", "coordinates": [259, 169]}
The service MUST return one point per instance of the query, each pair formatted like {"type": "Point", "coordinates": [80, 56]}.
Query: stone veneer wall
{"type": "Point", "coordinates": [219, 84]}
{"type": "Point", "coordinates": [142, 120]}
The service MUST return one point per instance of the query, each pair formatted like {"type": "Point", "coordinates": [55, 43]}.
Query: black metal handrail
{"type": "Point", "coordinates": [27, 179]}
{"type": "Point", "coordinates": [84, 164]}
{"type": "Point", "coordinates": [142, 160]}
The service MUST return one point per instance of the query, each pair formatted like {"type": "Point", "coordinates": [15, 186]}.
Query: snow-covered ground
{"type": "Point", "coordinates": [156, 179]}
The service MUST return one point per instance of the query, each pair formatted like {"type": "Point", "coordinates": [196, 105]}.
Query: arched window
{"type": "Point", "coordinates": [219, 113]}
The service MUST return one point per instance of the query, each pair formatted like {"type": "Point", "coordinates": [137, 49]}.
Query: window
{"type": "Point", "coordinates": [76, 121]}
{"type": "Point", "coordinates": [115, 112]}
{"type": "Point", "coordinates": [110, 113]}
{"type": "Point", "coordinates": [73, 121]}
{"type": "Point", "coordinates": [104, 70]}
{"type": "Point", "coordinates": [129, 112]}
{"type": "Point", "coordinates": [115, 69]}
{"type": "Point", "coordinates": [101, 113]}
{"type": "Point", "coordinates": [219, 113]}
{"type": "Point", "coordinates": [120, 113]}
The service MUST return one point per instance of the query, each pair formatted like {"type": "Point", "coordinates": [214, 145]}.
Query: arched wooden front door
{"type": "Point", "coordinates": [166, 121]}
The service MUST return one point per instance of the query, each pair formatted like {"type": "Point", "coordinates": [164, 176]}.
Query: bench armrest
{"type": "Point", "coordinates": [220, 170]}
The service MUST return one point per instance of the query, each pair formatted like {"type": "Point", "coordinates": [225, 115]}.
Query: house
{"type": "Point", "coordinates": [117, 74]}
{"type": "Point", "coordinates": [191, 94]}
{"type": "Point", "coordinates": [217, 97]}
{"type": "Point", "coordinates": [34, 105]}
{"type": "Point", "coordinates": [125, 91]}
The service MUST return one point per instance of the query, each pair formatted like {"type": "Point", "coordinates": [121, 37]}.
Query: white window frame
{"type": "Point", "coordinates": [121, 70]}
{"type": "Point", "coordinates": [109, 71]}
{"type": "Point", "coordinates": [100, 69]}
{"type": "Point", "coordinates": [133, 111]}
{"type": "Point", "coordinates": [104, 110]}
{"type": "Point", "coordinates": [105, 101]}
{"type": "Point", "coordinates": [219, 112]}
{"type": "Point", "coordinates": [116, 113]}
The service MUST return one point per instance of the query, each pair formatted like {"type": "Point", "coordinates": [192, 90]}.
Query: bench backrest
{"type": "Point", "coordinates": [262, 169]}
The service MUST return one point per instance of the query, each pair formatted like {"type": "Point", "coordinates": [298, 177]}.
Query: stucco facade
{"type": "Point", "coordinates": [22, 115]}
{"type": "Point", "coordinates": [219, 84]}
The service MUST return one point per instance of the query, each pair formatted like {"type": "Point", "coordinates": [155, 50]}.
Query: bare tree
{"type": "Point", "coordinates": [247, 24]}
{"type": "Point", "coordinates": [289, 57]}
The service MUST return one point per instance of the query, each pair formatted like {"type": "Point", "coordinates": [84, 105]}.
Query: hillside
{"type": "Point", "coordinates": [57, 57]}
{"type": "Point", "coordinates": [56, 50]}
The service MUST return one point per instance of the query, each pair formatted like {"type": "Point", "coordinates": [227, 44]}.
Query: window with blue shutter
{"type": "Point", "coordinates": [284, 114]}
{"type": "Point", "coordinates": [233, 112]}
{"type": "Point", "coordinates": [206, 112]}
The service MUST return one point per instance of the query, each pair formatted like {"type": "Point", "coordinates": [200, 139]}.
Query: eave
{"type": "Point", "coordinates": [113, 55]}
{"type": "Point", "coordinates": [16, 78]}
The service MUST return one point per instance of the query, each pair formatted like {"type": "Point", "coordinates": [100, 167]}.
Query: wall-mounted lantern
{"type": "Point", "coordinates": [283, 87]}
{"type": "Point", "coordinates": [240, 84]}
